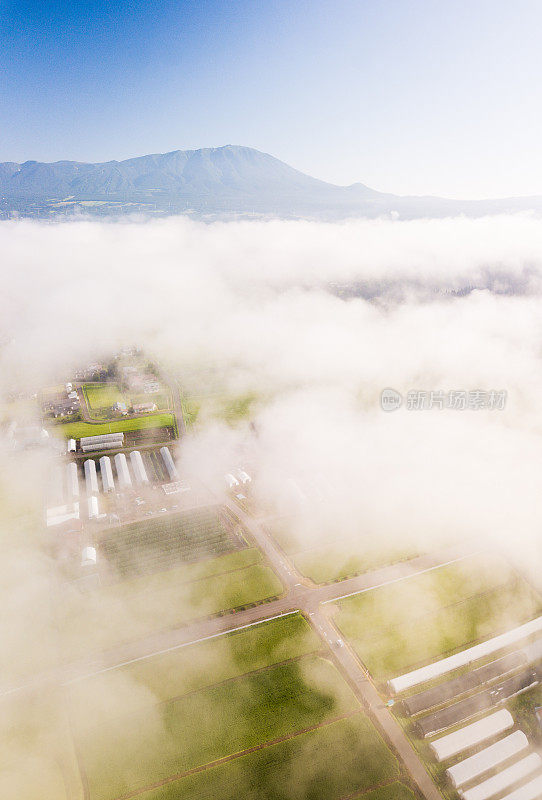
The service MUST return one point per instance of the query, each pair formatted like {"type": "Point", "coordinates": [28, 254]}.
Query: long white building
{"type": "Point", "coordinates": [169, 464]}
{"type": "Point", "coordinates": [504, 779]}
{"type": "Point", "coordinates": [464, 657]}
{"type": "Point", "coordinates": [104, 437]}
{"type": "Point", "coordinates": [72, 480]}
{"type": "Point", "coordinates": [487, 759]}
{"type": "Point", "coordinates": [123, 473]}
{"type": "Point", "coordinates": [138, 467]}
{"type": "Point", "coordinates": [92, 507]}
{"type": "Point", "coordinates": [107, 474]}
{"type": "Point", "coordinates": [91, 478]}
{"type": "Point", "coordinates": [528, 791]}
{"type": "Point", "coordinates": [471, 735]}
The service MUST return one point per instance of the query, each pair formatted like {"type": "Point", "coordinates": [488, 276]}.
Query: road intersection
{"type": "Point", "coordinates": [314, 602]}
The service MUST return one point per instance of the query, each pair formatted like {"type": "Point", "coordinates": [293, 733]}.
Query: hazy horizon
{"type": "Point", "coordinates": [414, 98]}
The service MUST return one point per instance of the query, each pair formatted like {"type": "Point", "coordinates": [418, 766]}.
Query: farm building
{"type": "Point", "coordinates": [243, 476]}
{"type": "Point", "coordinates": [123, 473]}
{"type": "Point", "coordinates": [72, 480]}
{"type": "Point", "coordinates": [231, 482]}
{"type": "Point", "coordinates": [104, 437]}
{"type": "Point", "coordinates": [88, 557]}
{"type": "Point", "coordinates": [487, 759]}
{"type": "Point", "coordinates": [504, 779]}
{"type": "Point", "coordinates": [144, 408]}
{"type": "Point", "coordinates": [107, 474]}
{"type": "Point", "coordinates": [92, 507]}
{"type": "Point", "coordinates": [109, 441]}
{"type": "Point", "coordinates": [120, 407]}
{"type": "Point", "coordinates": [138, 468]}
{"type": "Point", "coordinates": [528, 791]}
{"type": "Point", "coordinates": [64, 407]}
{"type": "Point", "coordinates": [169, 463]}
{"type": "Point", "coordinates": [465, 657]}
{"type": "Point", "coordinates": [477, 732]}
{"type": "Point", "coordinates": [94, 448]}
{"type": "Point", "coordinates": [90, 476]}
{"type": "Point", "coordinates": [71, 446]}
{"type": "Point", "coordinates": [60, 515]}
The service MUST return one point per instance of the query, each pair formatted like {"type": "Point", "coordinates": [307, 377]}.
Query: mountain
{"type": "Point", "coordinates": [219, 181]}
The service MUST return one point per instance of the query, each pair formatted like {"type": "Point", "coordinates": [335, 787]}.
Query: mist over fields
{"type": "Point", "coordinates": [314, 320]}
{"type": "Point", "coordinates": [311, 322]}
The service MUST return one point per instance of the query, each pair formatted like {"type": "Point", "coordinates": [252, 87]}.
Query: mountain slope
{"type": "Point", "coordinates": [215, 181]}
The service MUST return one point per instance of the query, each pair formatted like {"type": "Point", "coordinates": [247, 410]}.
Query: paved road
{"type": "Point", "coordinates": [349, 665]}
{"type": "Point", "coordinates": [300, 595]}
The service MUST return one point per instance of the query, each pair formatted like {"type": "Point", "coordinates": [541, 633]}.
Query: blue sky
{"type": "Point", "coordinates": [408, 96]}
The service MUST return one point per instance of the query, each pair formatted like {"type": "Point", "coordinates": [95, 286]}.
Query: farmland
{"type": "Point", "coordinates": [255, 714]}
{"type": "Point", "coordinates": [161, 543]}
{"type": "Point", "coordinates": [100, 396]}
{"type": "Point", "coordinates": [421, 618]}
{"type": "Point", "coordinates": [231, 409]}
{"type": "Point", "coordinates": [343, 558]}
{"type": "Point", "coordinates": [75, 430]}
{"type": "Point", "coordinates": [393, 791]}
{"type": "Point", "coordinates": [134, 608]}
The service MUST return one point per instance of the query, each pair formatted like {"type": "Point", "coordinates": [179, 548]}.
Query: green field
{"type": "Point", "coordinates": [419, 619]}
{"type": "Point", "coordinates": [191, 409]}
{"type": "Point", "coordinates": [342, 559]}
{"type": "Point", "coordinates": [185, 573]}
{"type": "Point", "coordinates": [102, 395]}
{"type": "Point", "coordinates": [231, 409]}
{"type": "Point", "coordinates": [258, 714]}
{"type": "Point", "coordinates": [127, 610]}
{"type": "Point", "coordinates": [163, 542]}
{"type": "Point", "coordinates": [75, 430]}
{"type": "Point", "coordinates": [523, 709]}
{"type": "Point", "coordinates": [328, 564]}
{"type": "Point", "coordinates": [394, 791]}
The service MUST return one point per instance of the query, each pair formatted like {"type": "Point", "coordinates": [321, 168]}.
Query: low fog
{"type": "Point", "coordinates": [256, 307]}
{"type": "Point", "coordinates": [313, 321]}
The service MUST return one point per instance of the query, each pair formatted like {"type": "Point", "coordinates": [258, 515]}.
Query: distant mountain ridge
{"type": "Point", "coordinates": [210, 181]}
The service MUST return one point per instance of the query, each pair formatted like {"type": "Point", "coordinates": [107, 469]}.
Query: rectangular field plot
{"type": "Point", "coordinates": [177, 673]}
{"type": "Point", "coordinates": [164, 542]}
{"type": "Point", "coordinates": [420, 619]}
{"type": "Point", "coordinates": [327, 763]}
{"type": "Point", "coordinates": [101, 396]}
{"type": "Point", "coordinates": [255, 714]}
{"type": "Point", "coordinates": [343, 558]}
{"type": "Point", "coordinates": [75, 430]}
{"type": "Point", "coordinates": [120, 612]}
